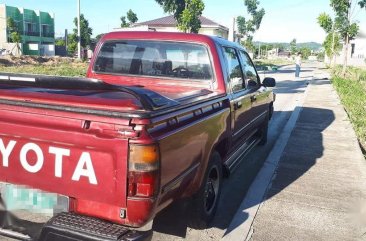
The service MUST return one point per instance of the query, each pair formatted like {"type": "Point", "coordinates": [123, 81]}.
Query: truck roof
{"type": "Point", "coordinates": [176, 36]}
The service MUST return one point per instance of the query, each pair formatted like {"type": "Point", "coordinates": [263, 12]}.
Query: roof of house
{"type": "Point", "coordinates": [169, 21]}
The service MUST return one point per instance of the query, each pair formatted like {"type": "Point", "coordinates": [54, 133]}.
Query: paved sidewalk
{"type": "Point", "coordinates": [319, 187]}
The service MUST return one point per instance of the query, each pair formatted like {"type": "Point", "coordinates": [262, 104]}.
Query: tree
{"type": "Point", "coordinates": [248, 44]}
{"type": "Point", "coordinates": [362, 3]}
{"type": "Point", "coordinates": [131, 17]}
{"type": "Point", "coordinates": [189, 19]}
{"type": "Point", "coordinates": [60, 42]}
{"type": "Point", "coordinates": [325, 22]}
{"type": "Point", "coordinates": [85, 31]}
{"type": "Point", "coordinates": [85, 35]}
{"type": "Point", "coordinates": [344, 24]}
{"type": "Point", "coordinates": [186, 12]}
{"type": "Point", "coordinates": [99, 36]}
{"type": "Point", "coordinates": [72, 43]}
{"type": "Point", "coordinates": [305, 52]}
{"type": "Point", "coordinates": [331, 43]}
{"type": "Point", "coordinates": [14, 32]}
{"type": "Point", "coordinates": [174, 7]}
{"type": "Point", "coordinates": [124, 23]}
{"type": "Point", "coordinates": [293, 46]}
{"type": "Point", "coordinates": [247, 27]}
{"type": "Point", "coordinates": [241, 24]}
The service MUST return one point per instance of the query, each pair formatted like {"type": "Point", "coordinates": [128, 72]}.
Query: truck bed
{"type": "Point", "coordinates": [91, 96]}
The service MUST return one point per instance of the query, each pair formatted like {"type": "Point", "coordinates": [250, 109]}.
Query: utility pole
{"type": "Point", "coordinates": [79, 34]}
{"type": "Point", "coordinates": [259, 52]}
{"type": "Point", "coordinates": [266, 54]}
{"type": "Point", "coordinates": [66, 40]}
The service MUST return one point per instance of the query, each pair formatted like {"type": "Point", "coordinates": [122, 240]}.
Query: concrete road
{"type": "Point", "coordinates": [171, 224]}
{"type": "Point", "coordinates": [318, 189]}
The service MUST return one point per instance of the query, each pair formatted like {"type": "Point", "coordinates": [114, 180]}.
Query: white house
{"type": "Point", "coordinates": [356, 51]}
{"type": "Point", "coordinates": [169, 24]}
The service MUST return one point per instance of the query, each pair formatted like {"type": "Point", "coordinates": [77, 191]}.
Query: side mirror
{"type": "Point", "coordinates": [269, 82]}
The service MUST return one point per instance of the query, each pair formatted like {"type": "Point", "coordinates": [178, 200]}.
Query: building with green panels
{"type": "Point", "coordinates": [37, 30]}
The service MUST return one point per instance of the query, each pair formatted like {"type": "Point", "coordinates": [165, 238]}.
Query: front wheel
{"type": "Point", "coordinates": [205, 202]}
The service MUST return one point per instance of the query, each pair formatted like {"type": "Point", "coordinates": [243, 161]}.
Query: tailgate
{"type": "Point", "coordinates": [76, 157]}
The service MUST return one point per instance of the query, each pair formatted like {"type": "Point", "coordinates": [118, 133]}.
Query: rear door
{"type": "Point", "coordinates": [240, 97]}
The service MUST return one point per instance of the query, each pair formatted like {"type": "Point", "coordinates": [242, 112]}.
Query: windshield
{"type": "Point", "coordinates": [154, 58]}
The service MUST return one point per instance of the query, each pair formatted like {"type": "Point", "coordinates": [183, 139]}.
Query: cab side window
{"type": "Point", "coordinates": [234, 69]}
{"type": "Point", "coordinates": [250, 75]}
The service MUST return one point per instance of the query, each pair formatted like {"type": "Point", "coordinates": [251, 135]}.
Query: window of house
{"type": "Point", "coordinates": [30, 29]}
{"type": "Point", "coordinates": [46, 30]}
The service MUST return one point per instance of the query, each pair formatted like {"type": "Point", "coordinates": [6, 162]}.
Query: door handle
{"type": "Point", "coordinates": [237, 105]}
{"type": "Point", "coordinates": [253, 98]}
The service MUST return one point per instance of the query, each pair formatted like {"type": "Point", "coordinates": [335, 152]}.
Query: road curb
{"type": "Point", "coordinates": [240, 227]}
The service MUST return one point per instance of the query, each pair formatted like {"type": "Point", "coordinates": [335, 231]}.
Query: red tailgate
{"type": "Point", "coordinates": [69, 155]}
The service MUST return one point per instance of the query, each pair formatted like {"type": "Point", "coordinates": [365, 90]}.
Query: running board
{"type": "Point", "coordinates": [232, 163]}
{"type": "Point", "coordinates": [14, 235]}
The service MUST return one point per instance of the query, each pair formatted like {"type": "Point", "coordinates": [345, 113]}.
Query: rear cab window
{"type": "Point", "coordinates": [154, 58]}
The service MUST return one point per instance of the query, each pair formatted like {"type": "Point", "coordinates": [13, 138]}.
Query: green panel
{"type": "Point", "coordinates": [30, 16]}
{"type": "Point", "coordinates": [14, 13]}
{"type": "Point", "coordinates": [48, 40]}
{"type": "Point", "coordinates": [27, 39]}
{"type": "Point", "coordinates": [46, 19]}
{"type": "Point", "coordinates": [27, 51]}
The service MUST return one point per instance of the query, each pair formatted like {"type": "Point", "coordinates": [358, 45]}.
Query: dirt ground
{"type": "Point", "coordinates": [59, 66]}
{"type": "Point", "coordinates": [9, 60]}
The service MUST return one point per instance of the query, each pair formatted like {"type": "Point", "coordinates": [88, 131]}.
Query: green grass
{"type": "Point", "coordinates": [352, 91]}
{"type": "Point", "coordinates": [266, 64]}
{"type": "Point", "coordinates": [61, 69]}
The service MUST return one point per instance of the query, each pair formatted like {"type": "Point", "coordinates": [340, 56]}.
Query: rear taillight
{"type": "Point", "coordinates": [143, 170]}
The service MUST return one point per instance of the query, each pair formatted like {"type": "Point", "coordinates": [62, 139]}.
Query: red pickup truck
{"type": "Point", "coordinates": [160, 116]}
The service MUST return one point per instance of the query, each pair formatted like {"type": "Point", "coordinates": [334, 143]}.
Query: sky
{"type": "Point", "coordinates": [284, 19]}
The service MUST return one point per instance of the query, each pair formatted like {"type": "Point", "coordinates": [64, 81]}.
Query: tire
{"type": "Point", "coordinates": [263, 132]}
{"type": "Point", "coordinates": [205, 202]}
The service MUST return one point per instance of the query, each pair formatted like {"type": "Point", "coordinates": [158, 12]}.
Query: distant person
{"type": "Point", "coordinates": [89, 54]}
{"type": "Point", "coordinates": [298, 65]}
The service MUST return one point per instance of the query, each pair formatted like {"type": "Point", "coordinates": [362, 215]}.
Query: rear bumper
{"type": "Point", "coordinates": [71, 227]}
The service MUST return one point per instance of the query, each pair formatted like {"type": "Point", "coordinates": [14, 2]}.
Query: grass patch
{"type": "Point", "coordinates": [352, 91]}
{"type": "Point", "coordinates": [270, 64]}
{"type": "Point", "coordinates": [62, 69]}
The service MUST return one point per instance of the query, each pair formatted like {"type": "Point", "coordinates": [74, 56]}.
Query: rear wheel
{"type": "Point", "coordinates": [205, 202]}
